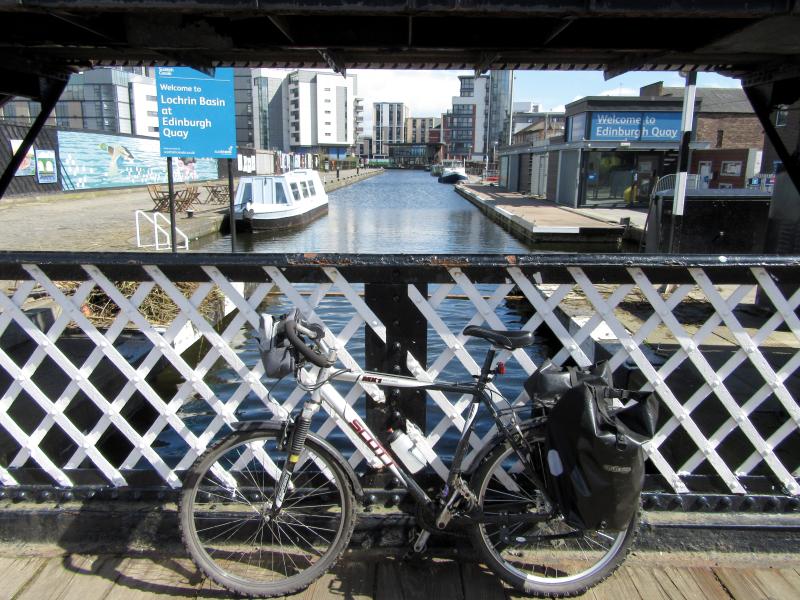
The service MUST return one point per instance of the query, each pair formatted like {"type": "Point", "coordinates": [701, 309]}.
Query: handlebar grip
{"type": "Point", "coordinates": [290, 327]}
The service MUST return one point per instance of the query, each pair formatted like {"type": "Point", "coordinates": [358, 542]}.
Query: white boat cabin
{"type": "Point", "coordinates": [281, 190]}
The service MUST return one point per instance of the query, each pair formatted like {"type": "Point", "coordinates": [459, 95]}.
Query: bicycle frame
{"type": "Point", "coordinates": [368, 440]}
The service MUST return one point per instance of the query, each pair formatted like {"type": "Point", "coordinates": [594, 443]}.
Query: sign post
{"type": "Point", "coordinates": [196, 118]}
{"type": "Point", "coordinates": [679, 193]}
{"type": "Point", "coordinates": [230, 205]}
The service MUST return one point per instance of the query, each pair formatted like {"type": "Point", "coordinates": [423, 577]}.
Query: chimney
{"type": "Point", "coordinates": [653, 90]}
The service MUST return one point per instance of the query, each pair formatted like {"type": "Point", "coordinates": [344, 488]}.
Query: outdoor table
{"type": "Point", "coordinates": [217, 194]}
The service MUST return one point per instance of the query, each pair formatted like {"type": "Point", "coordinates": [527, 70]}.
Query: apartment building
{"type": "Point", "coordinates": [271, 111]}
{"type": "Point", "coordinates": [321, 112]}
{"type": "Point", "coordinates": [464, 126]}
{"type": "Point", "coordinates": [111, 100]}
{"type": "Point", "coordinates": [419, 129]}
{"type": "Point", "coordinates": [299, 111]}
{"type": "Point", "coordinates": [358, 119]}
{"type": "Point", "coordinates": [480, 116]}
{"type": "Point", "coordinates": [389, 121]}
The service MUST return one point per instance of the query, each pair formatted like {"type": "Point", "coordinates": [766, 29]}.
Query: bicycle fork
{"type": "Point", "coordinates": [297, 442]}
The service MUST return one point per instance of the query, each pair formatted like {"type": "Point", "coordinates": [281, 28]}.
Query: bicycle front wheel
{"type": "Point", "coordinates": [548, 557]}
{"type": "Point", "coordinates": [235, 535]}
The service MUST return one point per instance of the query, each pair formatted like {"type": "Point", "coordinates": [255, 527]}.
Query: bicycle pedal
{"type": "Point", "coordinates": [421, 543]}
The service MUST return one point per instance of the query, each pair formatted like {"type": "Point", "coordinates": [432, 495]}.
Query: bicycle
{"type": "Point", "coordinates": [271, 507]}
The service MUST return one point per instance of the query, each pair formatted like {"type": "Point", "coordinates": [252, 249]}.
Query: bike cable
{"type": "Point", "coordinates": [319, 384]}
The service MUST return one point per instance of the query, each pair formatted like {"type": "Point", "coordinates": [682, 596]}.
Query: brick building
{"type": "Point", "coordinates": [725, 119]}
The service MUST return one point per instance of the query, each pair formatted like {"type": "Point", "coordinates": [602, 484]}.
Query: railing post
{"type": "Point", "coordinates": [406, 331]}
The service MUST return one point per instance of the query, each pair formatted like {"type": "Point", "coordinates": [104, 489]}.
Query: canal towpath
{"type": "Point", "coordinates": [105, 221]}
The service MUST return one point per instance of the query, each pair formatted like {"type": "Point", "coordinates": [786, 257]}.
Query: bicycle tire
{"type": "Point", "coordinates": [317, 517]}
{"type": "Point", "coordinates": [522, 555]}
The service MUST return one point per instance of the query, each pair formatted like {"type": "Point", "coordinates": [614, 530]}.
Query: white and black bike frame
{"type": "Point", "coordinates": [378, 456]}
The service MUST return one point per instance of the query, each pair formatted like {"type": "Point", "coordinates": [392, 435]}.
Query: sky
{"type": "Point", "coordinates": [429, 93]}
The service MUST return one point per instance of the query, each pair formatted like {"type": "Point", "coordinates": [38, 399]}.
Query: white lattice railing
{"type": "Point", "coordinates": [723, 366]}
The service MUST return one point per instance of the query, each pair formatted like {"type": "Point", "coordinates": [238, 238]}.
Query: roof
{"type": "Point", "coordinates": [716, 100]}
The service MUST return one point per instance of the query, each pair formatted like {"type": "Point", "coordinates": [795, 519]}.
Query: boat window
{"type": "Point", "coordinates": [280, 195]}
{"type": "Point", "coordinates": [295, 191]}
{"type": "Point", "coordinates": [311, 188]}
{"type": "Point", "coordinates": [305, 189]}
{"type": "Point", "coordinates": [266, 192]}
{"type": "Point", "coordinates": [247, 193]}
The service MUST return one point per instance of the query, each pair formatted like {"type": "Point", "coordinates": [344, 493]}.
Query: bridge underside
{"type": "Point", "coordinates": [45, 39]}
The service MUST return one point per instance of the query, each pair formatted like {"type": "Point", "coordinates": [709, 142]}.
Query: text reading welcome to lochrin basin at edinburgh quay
{"type": "Point", "coordinates": [168, 122]}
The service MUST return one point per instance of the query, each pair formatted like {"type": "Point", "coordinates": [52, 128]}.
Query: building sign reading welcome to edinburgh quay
{"type": "Point", "coordinates": [632, 126]}
{"type": "Point", "coordinates": [196, 115]}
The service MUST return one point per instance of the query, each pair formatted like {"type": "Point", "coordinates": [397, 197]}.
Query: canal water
{"type": "Point", "coordinates": [400, 211]}
{"type": "Point", "coordinates": [396, 212]}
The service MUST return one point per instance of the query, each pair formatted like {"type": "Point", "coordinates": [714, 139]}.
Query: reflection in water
{"type": "Point", "coordinates": [406, 212]}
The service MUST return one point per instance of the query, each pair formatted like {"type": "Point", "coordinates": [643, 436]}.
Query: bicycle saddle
{"type": "Point", "coordinates": [510, 340]}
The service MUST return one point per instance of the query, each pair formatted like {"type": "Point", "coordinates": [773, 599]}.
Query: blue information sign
{"type": "Point", "coordinates": [661, 127]}
{"type": "Point", "coordinates": [616, 126]}
{"type": "Point", "coordinates": [196, 114]}
{"type": "Point", "coordinates": [635, 126]}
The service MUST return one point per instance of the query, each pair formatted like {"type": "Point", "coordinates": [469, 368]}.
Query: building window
{"type": "Point", "coordinates": [781, 117]}
{"type": "Point", "coordinates": [720, 137]}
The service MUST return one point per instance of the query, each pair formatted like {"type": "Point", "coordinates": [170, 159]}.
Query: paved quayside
{"type": "Point", "coordinates": [104, 221]}
{"type": "Point", "coordinates": [541, 221]}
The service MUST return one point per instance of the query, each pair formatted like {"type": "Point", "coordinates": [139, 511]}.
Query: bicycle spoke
{"type": "Point", "coordinates": [246, 543]}
{"type": "Point", "coordinates": [543, 553]}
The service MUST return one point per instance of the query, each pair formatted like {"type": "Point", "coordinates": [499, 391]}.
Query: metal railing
{"type": "Point", "coordinates": [717, 338]}
{"type": "Point", "coordinates": [159, 232]}
{"type": "Point", "coordinates": [667, 182]}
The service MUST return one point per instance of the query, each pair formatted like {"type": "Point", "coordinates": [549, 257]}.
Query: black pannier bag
{"type": "Point", "coordinates": [550, 381]}
{"type": "Point", "coordinates": [594, 454]}
{"type": "Point", "coordinates": [277, 354]}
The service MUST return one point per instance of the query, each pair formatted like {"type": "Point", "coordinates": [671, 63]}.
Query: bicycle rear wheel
{"type": "Point", "coordinates": [546, 558]}
{"type": "Point", "coordinates": [236, 538]}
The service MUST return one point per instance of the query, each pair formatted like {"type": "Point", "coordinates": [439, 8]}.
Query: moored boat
{"type": "Point", "coordinates": [280, 201]}
{"type": "Point", "coordinates": [453, 172]}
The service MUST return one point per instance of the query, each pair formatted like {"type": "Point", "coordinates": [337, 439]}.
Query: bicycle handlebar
{"type": "Point", "coordinates": [314, 357]}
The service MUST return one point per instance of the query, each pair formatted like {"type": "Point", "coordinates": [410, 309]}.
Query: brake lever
{"type": "Point", "coordinates": [315, 332]}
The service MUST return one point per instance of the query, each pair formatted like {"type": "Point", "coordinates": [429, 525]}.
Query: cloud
{"type": "Point", "coordinates": [620, 91]}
